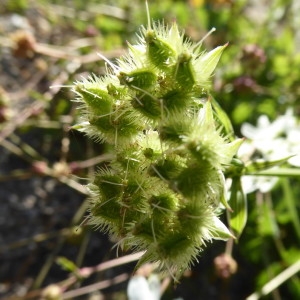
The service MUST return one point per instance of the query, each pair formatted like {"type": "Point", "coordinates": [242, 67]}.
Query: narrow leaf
{"type": "Point", "coordinates": [221, 232]}
{"type": "Point", "coordinates": [223, 118]}
{"type": "Point", "coordinates": [225, 203]}
{"type": "Point", "coordinates": [210, 60]}
{"type": "Point", "coordinates": [238, 204]}
{"type": "Point", "coordinates": [279, 172]}
{"type": "Point", "coordinates": [66, 264]}
{"type": "Point", "coordinates": [259, 165]}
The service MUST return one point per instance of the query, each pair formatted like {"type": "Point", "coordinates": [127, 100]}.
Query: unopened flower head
{"type": "Point", "coordinates": [160, 191]}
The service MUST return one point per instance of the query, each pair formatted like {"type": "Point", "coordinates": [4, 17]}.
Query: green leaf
{"type": "Point", "coordinates": [66, 264]}
{"type": "Point", "coordinates": [221, 232]}
{"type": "Point", "coordinates": [208, 62]}
{"type": "Point", "coordinates": [267, 225]}
{"type": "Point", "coordinates": [291, 204]}
{"type": "Point", "coordinates": [224, 202]}
{"type": "Point", "coordinates": [279, 172]}
{"type": "Point", "coordinates": [259, 165]}
{"type": "Point", "coordinates": [223, 118]}
{"type": "Point", "coordinates": [238, 204]}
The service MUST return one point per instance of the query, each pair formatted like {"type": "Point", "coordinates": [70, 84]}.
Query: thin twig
{"type": "Point", "coordinates": [276, 281]}
{"type": "Point", "coordinates": [88, 271]}
{"type": "Point", "coordinates": [38, 238]}
{"type": "Point", "coordinates": [96, 286]}
{"type": "Point", "coordinates": [19, 119]}
{"type": "Point", "coordinates": [61, 53]}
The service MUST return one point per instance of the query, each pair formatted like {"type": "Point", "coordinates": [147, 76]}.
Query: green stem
{"type": "Point", "coordinates": [280, 172]}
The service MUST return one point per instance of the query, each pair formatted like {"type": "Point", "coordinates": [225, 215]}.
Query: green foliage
{"type": "Point", "coordinates": [17, 6]}
{"type": "Point", "coordinates": [238, 205]}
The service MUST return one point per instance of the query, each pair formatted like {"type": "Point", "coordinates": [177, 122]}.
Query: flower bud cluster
{"type": "Point", "coordinates": [161, 190]}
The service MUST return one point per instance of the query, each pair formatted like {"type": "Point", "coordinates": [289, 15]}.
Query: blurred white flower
{"type": "Point", "coordinates": [263, 184]}
{"type": "Point", "coordinates": [275, 140]}
{"type": "Point", "coordinates": [271, 141]}
{"type": "Point", "coordinates": [139, 288]}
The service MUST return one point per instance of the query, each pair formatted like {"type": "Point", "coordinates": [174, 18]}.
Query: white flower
{"type": "Point", "coordinates": [262, 183]}
{"type": "Point", "coordinates": [139, 288]}
{"type": "Point", "coordinates": [272, 141]}
{"type": "Point", "coordinates": [275, 140]}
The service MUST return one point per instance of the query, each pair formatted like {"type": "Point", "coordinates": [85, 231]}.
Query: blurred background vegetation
{"type": "Point", "coordinates": [47, 45]}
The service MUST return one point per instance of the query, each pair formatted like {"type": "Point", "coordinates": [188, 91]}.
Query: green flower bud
{"type": "Point", "coordinates": [160, 53]}
{"type": "Point", "coordinates": [138, 79]}
{"type": "Point", "coordinates": [177, 99]}
{"type": "Point", "coordinates": [98, 100]}
{"type": "Point", "coordinates": [148, 105]}
{"type": "Point", "coordinates": [184, 71]}
{"type": "Point", "coordinates": [174, 128]}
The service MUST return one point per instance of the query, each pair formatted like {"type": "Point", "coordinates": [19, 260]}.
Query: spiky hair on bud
{"type": "Point", "coordinates": [161, 190]}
